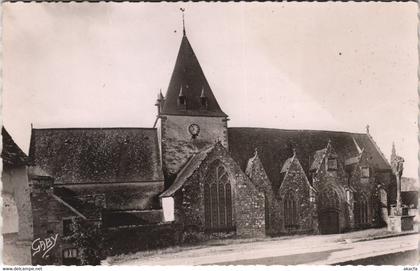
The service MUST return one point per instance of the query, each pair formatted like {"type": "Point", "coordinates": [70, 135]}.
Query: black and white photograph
{"type": "Point", "coordinates": [196, 134]}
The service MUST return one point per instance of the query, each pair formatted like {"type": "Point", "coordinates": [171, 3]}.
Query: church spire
{"type": "Point", "coordinates": [393, 152]}
{"type": "Point", "coordinates": [198, 97]}
{"type": "Point", "coordinates": [183, 21]}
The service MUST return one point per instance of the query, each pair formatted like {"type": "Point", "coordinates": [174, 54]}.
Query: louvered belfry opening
{"type": "Point", "coordinates": [218, 199]}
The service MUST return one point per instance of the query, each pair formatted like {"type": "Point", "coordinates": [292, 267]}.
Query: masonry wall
{"type": "Point", "coordinates": [295, 182]}
{"type": "Point", "coordinates": [248, 204]}
{"type": "Point", "coordinates": [335, 180]}
{"type": "Point", "coordinates": [47, 221]}
{"type": "Point", "coordinates": [273, 217]}
{"type": "Point", "coordinates": [370, 187]}
{"type": "Point", "coordinates": [15, 183]}
{"type": "Point", "coordinates": [178, 144]}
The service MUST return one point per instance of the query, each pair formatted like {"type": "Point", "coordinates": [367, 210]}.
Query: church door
{"type": "Point", "coordinates": [218, 199]}
{"type": "Point", "coordinates": [328, 222]}
{"type": "Point", "coordinates": [329, 210]}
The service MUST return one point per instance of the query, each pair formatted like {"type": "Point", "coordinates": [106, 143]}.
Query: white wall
{"type": "Point", "coordinates": [168, 209]}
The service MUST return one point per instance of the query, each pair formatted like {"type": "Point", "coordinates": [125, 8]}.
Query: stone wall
{"type": "Point", "coordinates": [295, 182]}
{"type": "Point", "coordinates": [370, 188]}
{"type": "Point", "coordinates": [47, 220]}
{"type": "Point", "coordinates": [273, 219]}
{"type": "Point", "coordinates": [124, 240]}
{"type": "Point", "coordinates": [178, 144]}
{"type": "Point", "coordinates": [334, 180]}
{"type": "Point", "coordinates": [248, 204]}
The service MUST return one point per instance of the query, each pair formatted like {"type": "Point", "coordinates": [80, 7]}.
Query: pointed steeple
{"type": "Point", "coordinates": [161, 95]}
{"type": "Point", "coordinates": [183, 22]}
{"type": "Point", "coordinates": [160, 101]}
{"type": "Point", "coordinates": [393, 153]}
{"type": "Point", "coordinates": [187, 72]}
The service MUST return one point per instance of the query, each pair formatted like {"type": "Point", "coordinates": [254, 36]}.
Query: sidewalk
{"type": "Point", "coordinates": [316, 248]}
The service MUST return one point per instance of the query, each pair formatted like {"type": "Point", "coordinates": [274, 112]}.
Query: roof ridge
{"type": "Point", "coordinates": [303, 130]}
{"type": "Point", "coordinates": [378, 149]}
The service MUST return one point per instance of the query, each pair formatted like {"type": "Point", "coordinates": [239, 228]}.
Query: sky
{"type": "Point", "coordinates": [323, 66]}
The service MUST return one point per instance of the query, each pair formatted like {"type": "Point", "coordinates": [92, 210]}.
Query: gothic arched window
{"type": "Point", "coordinates": [217, 199]}
{"type": "Point", "coordinates": [290, 212]}
{"type": "Point", "coordinates": [362, 210]}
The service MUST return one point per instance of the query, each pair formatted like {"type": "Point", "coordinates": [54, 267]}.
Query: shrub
{"type": "Point", "coordinates": [87, 237]}
{"type": "Point", "coordinates": [193, 237]}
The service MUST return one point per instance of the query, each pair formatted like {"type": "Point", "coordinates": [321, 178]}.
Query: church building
{"type": "Point", "coordinates": [195, 172]}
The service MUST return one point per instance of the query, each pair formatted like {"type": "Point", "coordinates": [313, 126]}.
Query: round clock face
{"type": "Point", "coordinates": [194, 129]}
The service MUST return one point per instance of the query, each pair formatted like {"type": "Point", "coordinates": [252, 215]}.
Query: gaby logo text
{"type": "Point", "coordinates": [44, 245]}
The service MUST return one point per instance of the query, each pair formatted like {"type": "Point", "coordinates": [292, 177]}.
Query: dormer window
{"type": "Point", "coordinates": [182, 100]}
{"type": "Point", "coordinates": [365, 172]}
{"type": "Point", "coordinates": [332, 164]}
{"type": "Point", "coordinates": [203, 99]}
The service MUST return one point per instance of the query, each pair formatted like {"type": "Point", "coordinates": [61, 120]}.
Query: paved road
{"type": "Point", "coordinates": [314, 250]}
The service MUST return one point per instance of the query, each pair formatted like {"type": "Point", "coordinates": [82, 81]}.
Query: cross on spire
{"type": "Point", "coordinates": [183, 20]}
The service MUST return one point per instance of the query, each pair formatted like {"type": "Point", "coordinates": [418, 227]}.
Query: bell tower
{"type": "Point", "coordinates": [191, 119]}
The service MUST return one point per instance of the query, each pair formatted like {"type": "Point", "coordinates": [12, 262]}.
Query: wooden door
{"type": "Point", "coordinates": [328, 222]}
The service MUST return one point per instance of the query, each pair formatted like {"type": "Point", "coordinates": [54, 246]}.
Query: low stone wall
{"type": "Point", "coordinates": [123, 240]}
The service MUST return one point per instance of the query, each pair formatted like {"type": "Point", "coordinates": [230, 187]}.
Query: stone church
{"type": "Point", "coordinates": [194, 171]}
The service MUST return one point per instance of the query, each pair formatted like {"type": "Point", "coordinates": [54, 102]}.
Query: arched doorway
{"type": "Point", "coordinates": [329, 221]}
{"type": "Point", "coordinates": [217, 199]}
{"type": "Point", "coordinates": [329, 212]}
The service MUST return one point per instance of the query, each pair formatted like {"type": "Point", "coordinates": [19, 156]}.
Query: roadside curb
{"type": "Point", "coordinates": [382, 237]}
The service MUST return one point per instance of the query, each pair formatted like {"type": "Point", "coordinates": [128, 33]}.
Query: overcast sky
{"type": "Point", "coordinates": [332, 66]}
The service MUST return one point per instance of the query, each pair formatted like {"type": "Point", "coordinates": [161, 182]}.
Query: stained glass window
{"type": "Point", "coordinates": [217, 199]}
{"type": "Point", "coordinates": [290, 212]}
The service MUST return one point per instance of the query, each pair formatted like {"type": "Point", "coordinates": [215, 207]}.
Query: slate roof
{"type": "Point", "coordinates": [188, 74]}
{"type": "Point", "coordinates": [97, 155]}
{"type": "Point", "coordinates": [318, 157]}
{"type": "Point", "coordinates": [256, 172]}
{"type": "Point", "coordinates": [352, 160]}
{"type": "Point", "coordinates": [193, 163]}
{"type": "Point", "coordinates": [275, 146]}
{"type": "Point", "coordinates": [88, 210]}
{"type": "Point", "coordinates": [286, 165]}
{"type": "Point", "coordinates": [11, 154]}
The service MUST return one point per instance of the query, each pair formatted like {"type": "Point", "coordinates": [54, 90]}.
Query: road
{"type": "Point", "coordinates": [313, 250]}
